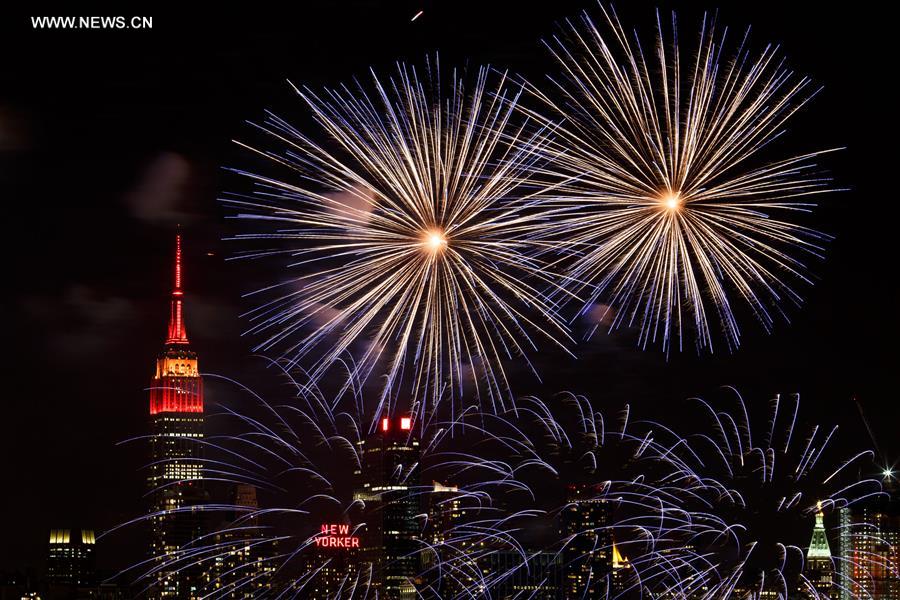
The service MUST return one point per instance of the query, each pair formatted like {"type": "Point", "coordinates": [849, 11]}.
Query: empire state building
{"type": "Point", "coordinates": [175, 476]}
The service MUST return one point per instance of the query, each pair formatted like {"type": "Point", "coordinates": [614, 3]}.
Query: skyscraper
{"type": "Point", "coordinates": [870, 547]}
{"type": "Point", "coordinates": [387, 483]}
{"type": "Point", "coordinates": [175, 474]}
{"type": "Point", "coordinates": [587, 557]}
{"type": "Point", "coordinates": [439, 566]}
{"type": "Point", "coordinates": [238, 569]}
{"type": "Point", "coordinates": [71, 560]}
{"type": "Point", "coordinates": [818, 573]}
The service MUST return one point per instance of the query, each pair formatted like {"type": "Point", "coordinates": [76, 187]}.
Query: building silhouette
{"type": "Point", "coordinates": [71, 572]}
{"type": "Point", "coordinates": [587, 556]}
{"type": "Point", "coordinates": [536, 575]}
{"type": "Point", "coordinates": [387, 483]}
{"type": "Point", "coordinates": [240, 567]}
{"type": "Point", "coordinates": [71, 559]}
{"type": "Point", "coordinates": [175, 476]}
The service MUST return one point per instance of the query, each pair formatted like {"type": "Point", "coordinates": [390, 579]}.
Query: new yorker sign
{"type": "Point", "coordinates": [336, 536]}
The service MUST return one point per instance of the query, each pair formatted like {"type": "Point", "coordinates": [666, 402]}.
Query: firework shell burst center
{"type": "Point", "coordinates": [678, 216]}
{"type": "Point", "coordinates": [415, 168]}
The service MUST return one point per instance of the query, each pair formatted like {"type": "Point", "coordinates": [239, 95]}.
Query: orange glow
{"type": "Point", "coordinates": [167, 366]}
{"type": "Point", "coordinates": [671, 201]}
{"type": "Point", "coordinates": [435, 240]}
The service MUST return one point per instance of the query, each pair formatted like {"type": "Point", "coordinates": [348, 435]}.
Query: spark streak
{"type": "Point", "coordinates": [414, 234]}
{"type": "Point", "coordinates": [677, 217]}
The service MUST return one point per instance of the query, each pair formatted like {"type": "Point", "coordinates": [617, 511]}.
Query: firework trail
{"type": "Point", "coordinates": [677, 217]}
{"type": "Point", "coordinates": [764, 482]}
{"type": "Point", "coordinates": [601, 509]}
{"type": "Point", "coordinates": [413, 233]}
{"type": "Point", "coordinates": [488, 500]}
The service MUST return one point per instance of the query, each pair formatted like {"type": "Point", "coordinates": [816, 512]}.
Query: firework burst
{"type": "Point", "coordinates": [592, 507]}
{"type": "Point", "coordinates": [769, 485]}
{"type": "Point", "coordinates": [676, 218]}
{"type": "Point", "coordinates": [413, 233]}
{"type": "Point", "coordinates": [477, 504]}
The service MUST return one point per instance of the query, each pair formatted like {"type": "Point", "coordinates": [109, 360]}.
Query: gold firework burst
{"type": "Point", "coordinates": [675, 215]}
{"type": "Point", "coordinates": [414, 235]}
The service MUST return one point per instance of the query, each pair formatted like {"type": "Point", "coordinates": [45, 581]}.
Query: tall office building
{"type": "Point", "coordinates": [818, 572]}
{"type": "Point", "coordinates": [454, 561]}
{"type": "Point", "coordinates": [844, 568]}
{"type": "Point", "coordinates": [175, 474]}
{"type": "Point", "coordinates": [71, 560]}
{"type": "Point", "coordinates": [239, 568]}
{"type": "Point", "coordinates": [587, 557]}
{"type": "Point", "coordinates": [330, 575]}
{"type": "Point", "coordinates": [387, 483]}
{"type": "Point", "coordinates": [870, 548]}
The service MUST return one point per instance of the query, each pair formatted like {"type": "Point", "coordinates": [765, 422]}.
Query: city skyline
{"type": "Point", "coordinates": [88, 298]}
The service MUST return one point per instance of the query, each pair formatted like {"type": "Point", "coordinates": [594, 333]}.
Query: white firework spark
{"type": "Point", "coordinates": [415, 234]}
{"type": "Point", "coordinates": [676, 217]}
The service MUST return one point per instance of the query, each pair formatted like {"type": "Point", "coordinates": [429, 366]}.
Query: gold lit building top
{"type": "Point", "coordinates": [173, 366]}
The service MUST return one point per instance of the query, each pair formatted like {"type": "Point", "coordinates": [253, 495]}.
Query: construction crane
{"type": "Point", "coordinates": [887, 472]}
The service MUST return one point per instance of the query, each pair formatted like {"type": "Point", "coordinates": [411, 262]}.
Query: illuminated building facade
{"type": "Point", "coordinates": [388, 485]}
{"type": "Point", "coordinates": [175, 476]}
{"type": "Point", "coordinates": [462, 567]}
{"type": "Point", "coordinates": [587, 558]}
{"type": "Point", "coordinates": [445, 510]}
{"type": "Point", "coordinates": [333, 573]}
{"type": "Point", "coordinates": [239, 569]}
{"type": "Point", "coordinates": [870, 540]}
{"type": "Point", "coordinates": [818, 573]}
{"type": "Point", "coordinates": [71, 560]}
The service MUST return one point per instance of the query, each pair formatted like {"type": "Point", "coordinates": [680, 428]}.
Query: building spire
{"type": "Point", "coordinates": [618, 561]}
{"type": "Point", "coordinates": [818, 545]}
{"type": "Point", "coordinates": [177, 331]}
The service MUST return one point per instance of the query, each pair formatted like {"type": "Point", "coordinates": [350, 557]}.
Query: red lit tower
{"type": "Point", "coordinates": [176, 466]}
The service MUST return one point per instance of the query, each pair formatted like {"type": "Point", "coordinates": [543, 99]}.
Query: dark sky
{"type": "Point", "coordinates": [110, 138]}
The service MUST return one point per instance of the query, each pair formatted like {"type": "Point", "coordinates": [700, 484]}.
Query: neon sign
{"type": "Point", "coordinates": [336, 536]}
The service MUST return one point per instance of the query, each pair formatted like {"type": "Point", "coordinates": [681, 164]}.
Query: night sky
{"type": "Point", "coordinates": [108, 139]}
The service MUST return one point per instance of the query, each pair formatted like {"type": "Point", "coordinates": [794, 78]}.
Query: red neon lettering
{"type": "Point", "coordinates": [336, 536]}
